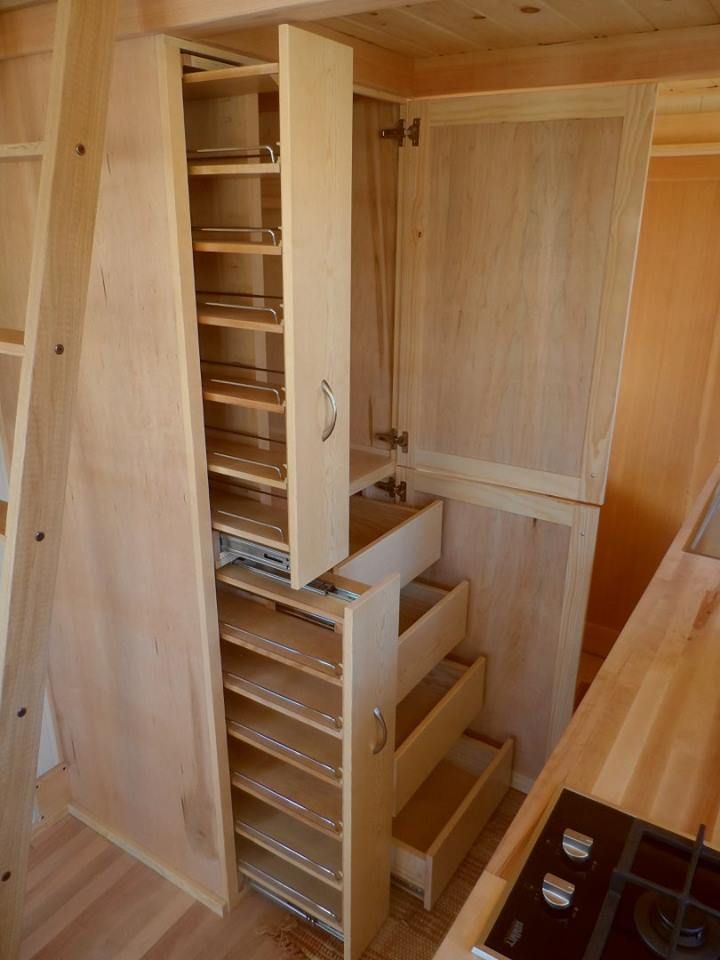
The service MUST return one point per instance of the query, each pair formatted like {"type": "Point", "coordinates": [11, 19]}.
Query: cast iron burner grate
{"type": "Point", "coordinates": [671, 922]}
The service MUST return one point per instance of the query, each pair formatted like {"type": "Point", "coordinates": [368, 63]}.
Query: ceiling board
{"type": "Point", "coordinates": [444, 27]}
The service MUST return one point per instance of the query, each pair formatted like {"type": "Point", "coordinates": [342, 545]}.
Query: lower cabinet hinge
{"type": "Point", "coordinates": [401, 133]}
{"type": "Point", "coordinates": [398, 441]}
{"type": "Point", "coordinates": [398, 491]}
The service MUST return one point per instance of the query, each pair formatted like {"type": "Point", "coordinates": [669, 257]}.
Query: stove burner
{"type": "Point", "coordinates": [655, 920]}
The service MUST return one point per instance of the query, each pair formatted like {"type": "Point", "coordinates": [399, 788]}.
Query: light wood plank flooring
{"type": "Point", "coordinates": [87, 900]}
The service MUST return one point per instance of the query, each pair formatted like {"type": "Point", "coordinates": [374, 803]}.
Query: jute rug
{"type": "Point", "coordinates": [410, 932]}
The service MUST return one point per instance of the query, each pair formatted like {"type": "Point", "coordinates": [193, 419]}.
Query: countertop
{"type": "Point", "coordinates": [646, 737]}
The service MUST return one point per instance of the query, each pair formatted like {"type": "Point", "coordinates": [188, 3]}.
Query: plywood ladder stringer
{"type": "Point", "coordinates": [49, 351]}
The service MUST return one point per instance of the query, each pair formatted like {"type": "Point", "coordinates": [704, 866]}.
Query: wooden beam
{"type": "Point", "coordinates": [62, 248]}
{"type": "Point", "coordinates": [374, 69]}
{"type": "Point", "coordinates": [662, 55]}
{"type": "Point", "coordinates": [29, 29]}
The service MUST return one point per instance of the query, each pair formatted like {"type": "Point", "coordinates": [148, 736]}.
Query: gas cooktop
{"type": "Point", "coordinates": [602, 885]}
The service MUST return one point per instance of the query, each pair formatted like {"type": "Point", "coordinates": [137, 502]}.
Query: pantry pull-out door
{"type": "Point", "coordinates": [519, 222]}
{"type": "Point", "coordinates": [316, 189]}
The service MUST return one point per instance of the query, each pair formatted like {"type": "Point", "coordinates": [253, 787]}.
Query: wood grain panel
{"type": "Point", "coordinates": [374, 225]}
{"type": "Point", "coordinates": [316, 137]}
{"type": "Point", "coordinates": [130, 666]}
{"type": "Point", "coordinates": [667, 436]}
{"type": "Point", "coordinates": [515, 295]}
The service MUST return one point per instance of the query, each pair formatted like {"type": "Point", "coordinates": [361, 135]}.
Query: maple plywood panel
{"type": "Point", "coordinates": [516, 566]}
{"type": "Point", "coordinates": [667, 436]}
{"type": "Point", "coordinates": [131, 666]}
{"type": "Point", "coordinates": [374, 224]}
{"type": "Point", "coordinates": [512, 306]}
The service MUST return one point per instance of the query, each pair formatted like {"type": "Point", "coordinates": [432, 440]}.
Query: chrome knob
{"type": "Point", "coordinates": [576, 846]}
{"type": "Point", "coordinates": [557, 893]}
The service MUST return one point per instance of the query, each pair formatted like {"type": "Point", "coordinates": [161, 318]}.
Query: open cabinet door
{"type": "Point", "coordinates": [519, 224]}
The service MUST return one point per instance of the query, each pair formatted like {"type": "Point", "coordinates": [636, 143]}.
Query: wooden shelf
{"type": "Point", "coordinates": [12, 342]}
{"type": "Point", "coordinates": [212, 313]}
{"type": "Point", "coordinates": [282, 637]}
{"type": "Point", "coordinates": [367, 467]}
{"type": "Point", "coordinates": [231, 81]}
{"type": "Point", "coordinates": [240, 387]}
{"type": "Point", "coordinates": [290, 883]}
{"type": "Point", "coordinates": [309, 851]}
{"type": "Point", "coordinates": [242, 578]}
{"type": "Point", "coordinates": [242, 517]}
{"type": "Point", "coordinates": [231, 168]}
{"type": "Point", "coordinates": [3, 518]}
{"type": "Point", "coordinates": [242, 461]}
{"type": "Point", "coordinates": [220, 241]}
{"type": "Point", "coordinates": [284, 738]}
{"type": "Point", "coordinates": [298, 794]}
{"type": "Point", "coordinates": [22, 151]}
{"type": "Point", "coordinates": [291, 692]}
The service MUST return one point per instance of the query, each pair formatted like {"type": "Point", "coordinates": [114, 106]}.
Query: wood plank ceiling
{"type": "Point", "coordinates": [439, 27]}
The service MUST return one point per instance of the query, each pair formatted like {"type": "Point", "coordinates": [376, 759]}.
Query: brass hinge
{"type": "Point", "coordinates": [398, 491]}
{"type": "Point", "coordinates": [398, 441]}
{"type": "Point", "coordinates": [400, 133]}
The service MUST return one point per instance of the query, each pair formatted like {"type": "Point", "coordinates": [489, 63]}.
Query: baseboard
{"type": "Point", "coordinates": [522, 783]}
{"type": "Point", "coordinates": [52, 797]}
{"type": "Point", "coordinates": [198, 892]}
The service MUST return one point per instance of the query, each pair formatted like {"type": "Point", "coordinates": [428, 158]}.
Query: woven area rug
{"type": "Point", "coordinates": [410, 932]}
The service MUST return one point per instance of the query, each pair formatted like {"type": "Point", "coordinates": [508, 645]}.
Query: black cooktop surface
{"type": "Point", "coordinates": [601, 885]}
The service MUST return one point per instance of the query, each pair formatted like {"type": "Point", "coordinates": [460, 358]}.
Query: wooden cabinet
{"type": "Point", "coordinates": [273, 334]}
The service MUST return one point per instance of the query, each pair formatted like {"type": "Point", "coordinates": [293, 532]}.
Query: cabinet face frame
{"type": "Point", "coordinates": [634, 107]}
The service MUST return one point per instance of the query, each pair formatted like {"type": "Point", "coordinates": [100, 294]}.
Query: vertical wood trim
{"type": "Point", "coordinates": [170, 80]}
{"type": "Point", "coordinates": [628, 198]}
{"type": "Point", "coordinates": [62, 248]}
{"type": "Point", "coordinates": [370, 678]}
{"type": "Point", "coordinates": [316, 197]}
{"type": "Point", "coordinates": [578, 574]}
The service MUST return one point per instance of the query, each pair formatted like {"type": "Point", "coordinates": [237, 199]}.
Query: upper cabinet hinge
{"type": "Point", "coordinates": [400, 133]}
{"type": "Point", "coordinates": [398, 441]}
{"type": "Point", "coordinates": [398, 491]}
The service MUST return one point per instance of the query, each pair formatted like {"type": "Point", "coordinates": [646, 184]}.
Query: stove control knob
{"type": "Point", "coordinates": [557, 893]}
{"type": "Point", "coordinates": [576, 846]}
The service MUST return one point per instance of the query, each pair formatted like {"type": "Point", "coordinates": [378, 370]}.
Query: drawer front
{"type": "Point", "coordinates": [431, 637]}
{"type": "Point", "coordinates": [427, 869]}
{"type": "Point", "coordinates": [408, 549]}
{"type": "Point", "coordinates": [431, 739]}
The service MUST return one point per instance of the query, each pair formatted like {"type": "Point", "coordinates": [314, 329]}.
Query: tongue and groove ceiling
{"type": "Point", "coordinates": [440, 27]}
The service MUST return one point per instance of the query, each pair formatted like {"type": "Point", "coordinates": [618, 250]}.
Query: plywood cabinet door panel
{"type": "Point", "coordinates": [519, 223]}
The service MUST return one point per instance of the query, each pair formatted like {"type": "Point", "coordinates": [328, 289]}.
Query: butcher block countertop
{"type": "Point", "coordinates": [646, 737]}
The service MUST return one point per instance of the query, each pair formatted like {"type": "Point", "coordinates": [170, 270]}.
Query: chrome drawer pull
{"type": "Point", "coordinates": [380, 744]}
{"type": "Point", "coordinates": [327, 390]}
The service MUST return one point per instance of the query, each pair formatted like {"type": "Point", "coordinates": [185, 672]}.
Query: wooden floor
{"type": "Point", "coordinates": [87, 900]}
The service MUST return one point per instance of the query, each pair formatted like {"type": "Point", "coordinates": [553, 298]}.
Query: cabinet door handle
{"type": "Point", "coordinates": [382, 729]}
{"type": "Point", "coordinates": [327, 390]}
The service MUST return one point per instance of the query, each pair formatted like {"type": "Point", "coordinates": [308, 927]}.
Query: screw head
{"type": "Point", "coordinates": [80, 149]}
{"type": "Point", "coordinates": [59, 349]}
{"type": "Point", "coordinates": [39, 536]}
{"type": "Point", "coordinates": [22, 712]}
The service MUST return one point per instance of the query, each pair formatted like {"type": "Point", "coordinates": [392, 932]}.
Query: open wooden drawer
{"type": "Point", "coordinates": [431, 718]}
{"type": "Point", "coordinates": [388, 538]}
{"type": "Point", "coordinates": [432, 623]}
{"type": "Point", "coordinates": [438, 826]}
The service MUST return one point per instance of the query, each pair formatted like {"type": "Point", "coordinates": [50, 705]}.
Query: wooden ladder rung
{"type": "Point", "coordinates": [22, 151]}
{"type": "Point", "coordinates": [3, 518]}
{"type": "Point", "coordinates": [12, 342]}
